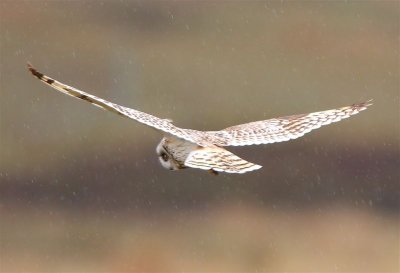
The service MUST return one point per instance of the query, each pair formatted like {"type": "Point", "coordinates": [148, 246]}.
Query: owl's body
{"type": "Point", "coordinates": [182, 148]}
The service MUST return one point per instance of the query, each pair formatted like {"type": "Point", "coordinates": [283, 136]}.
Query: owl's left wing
{"type": "Point", "coordinates": [283, 128]}
{"type": "Point", "coordinates": [150, 120]}
{"type": "Point", "coordinates": [218, 159]}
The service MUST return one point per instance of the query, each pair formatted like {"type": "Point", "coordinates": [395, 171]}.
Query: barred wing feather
{"type": "Point", "coordinates": [283, 128]}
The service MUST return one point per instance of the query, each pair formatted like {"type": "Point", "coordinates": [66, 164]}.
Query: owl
{"type": "Point", "coordinates": [186, 148]}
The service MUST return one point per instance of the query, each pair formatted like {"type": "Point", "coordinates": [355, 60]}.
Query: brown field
{"type": "Point", "coordinates": [233, 238]}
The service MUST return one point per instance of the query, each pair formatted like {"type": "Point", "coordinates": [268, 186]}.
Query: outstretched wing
{"type": "Point", "coordinates": [155, 122]}
{"type": "Point", "coordinates": [283, 128]}
{"type": "Point", "coordinates": [218, 159]}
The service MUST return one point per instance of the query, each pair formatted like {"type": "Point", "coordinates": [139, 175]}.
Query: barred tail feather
{"type": "Point", "coordinates": [219, 160]}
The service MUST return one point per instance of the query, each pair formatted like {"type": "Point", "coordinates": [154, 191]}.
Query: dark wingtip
{"type": "Point", "coordinates": [362, 105]}
{"type": "Point", "coordinates": [34, 71]}
{"type": "Point", "coordinates": [29, 66]}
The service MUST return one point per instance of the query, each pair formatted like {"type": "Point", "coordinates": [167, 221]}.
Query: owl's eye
{"type": "Point", "coordinates": [164, 157]}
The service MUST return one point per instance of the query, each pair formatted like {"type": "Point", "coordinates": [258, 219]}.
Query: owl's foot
{"type": "Point", "coordinates": [211, 171]}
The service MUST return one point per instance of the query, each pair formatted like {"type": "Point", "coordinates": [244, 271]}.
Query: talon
{"type": "Point", "coordinates": [211, 171]}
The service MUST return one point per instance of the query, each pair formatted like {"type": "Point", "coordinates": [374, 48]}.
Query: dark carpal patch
{"type": "Point", "coordinates": [86, 98]}
{"type": "Point", "coordinates": [83, 97]}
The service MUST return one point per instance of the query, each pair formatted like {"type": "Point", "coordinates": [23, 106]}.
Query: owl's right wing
{"type": "Point", "coordinates": [218, 159]}
{"type": "Point", "coordinates": [283, 128]}
{"type": "Point", "coordinates": [164, 125]}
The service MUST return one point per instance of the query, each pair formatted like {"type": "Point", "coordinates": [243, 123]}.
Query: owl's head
{"type": "Point", "coordinates": [166, 159]}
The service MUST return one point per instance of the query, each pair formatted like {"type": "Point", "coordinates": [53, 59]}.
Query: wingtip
{"type": "Point", "coordinates": [369, 102]}
{"type": "Point", "coordinates": [34, 72]}
{"type": "Point", "coordinates": [362, 105]}
{"type": "Point", "coordinates": [29, 66]}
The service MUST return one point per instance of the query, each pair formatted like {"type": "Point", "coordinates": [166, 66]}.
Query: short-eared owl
{"type": "Point", "coordinates": [181, 148]}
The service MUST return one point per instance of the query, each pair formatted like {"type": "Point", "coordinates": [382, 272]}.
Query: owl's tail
{"type": "Point", "coordinates": [216, 159]}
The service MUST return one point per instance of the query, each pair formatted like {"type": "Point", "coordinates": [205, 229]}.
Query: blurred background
{"type": "Point", "coordinates": [81, 190]}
